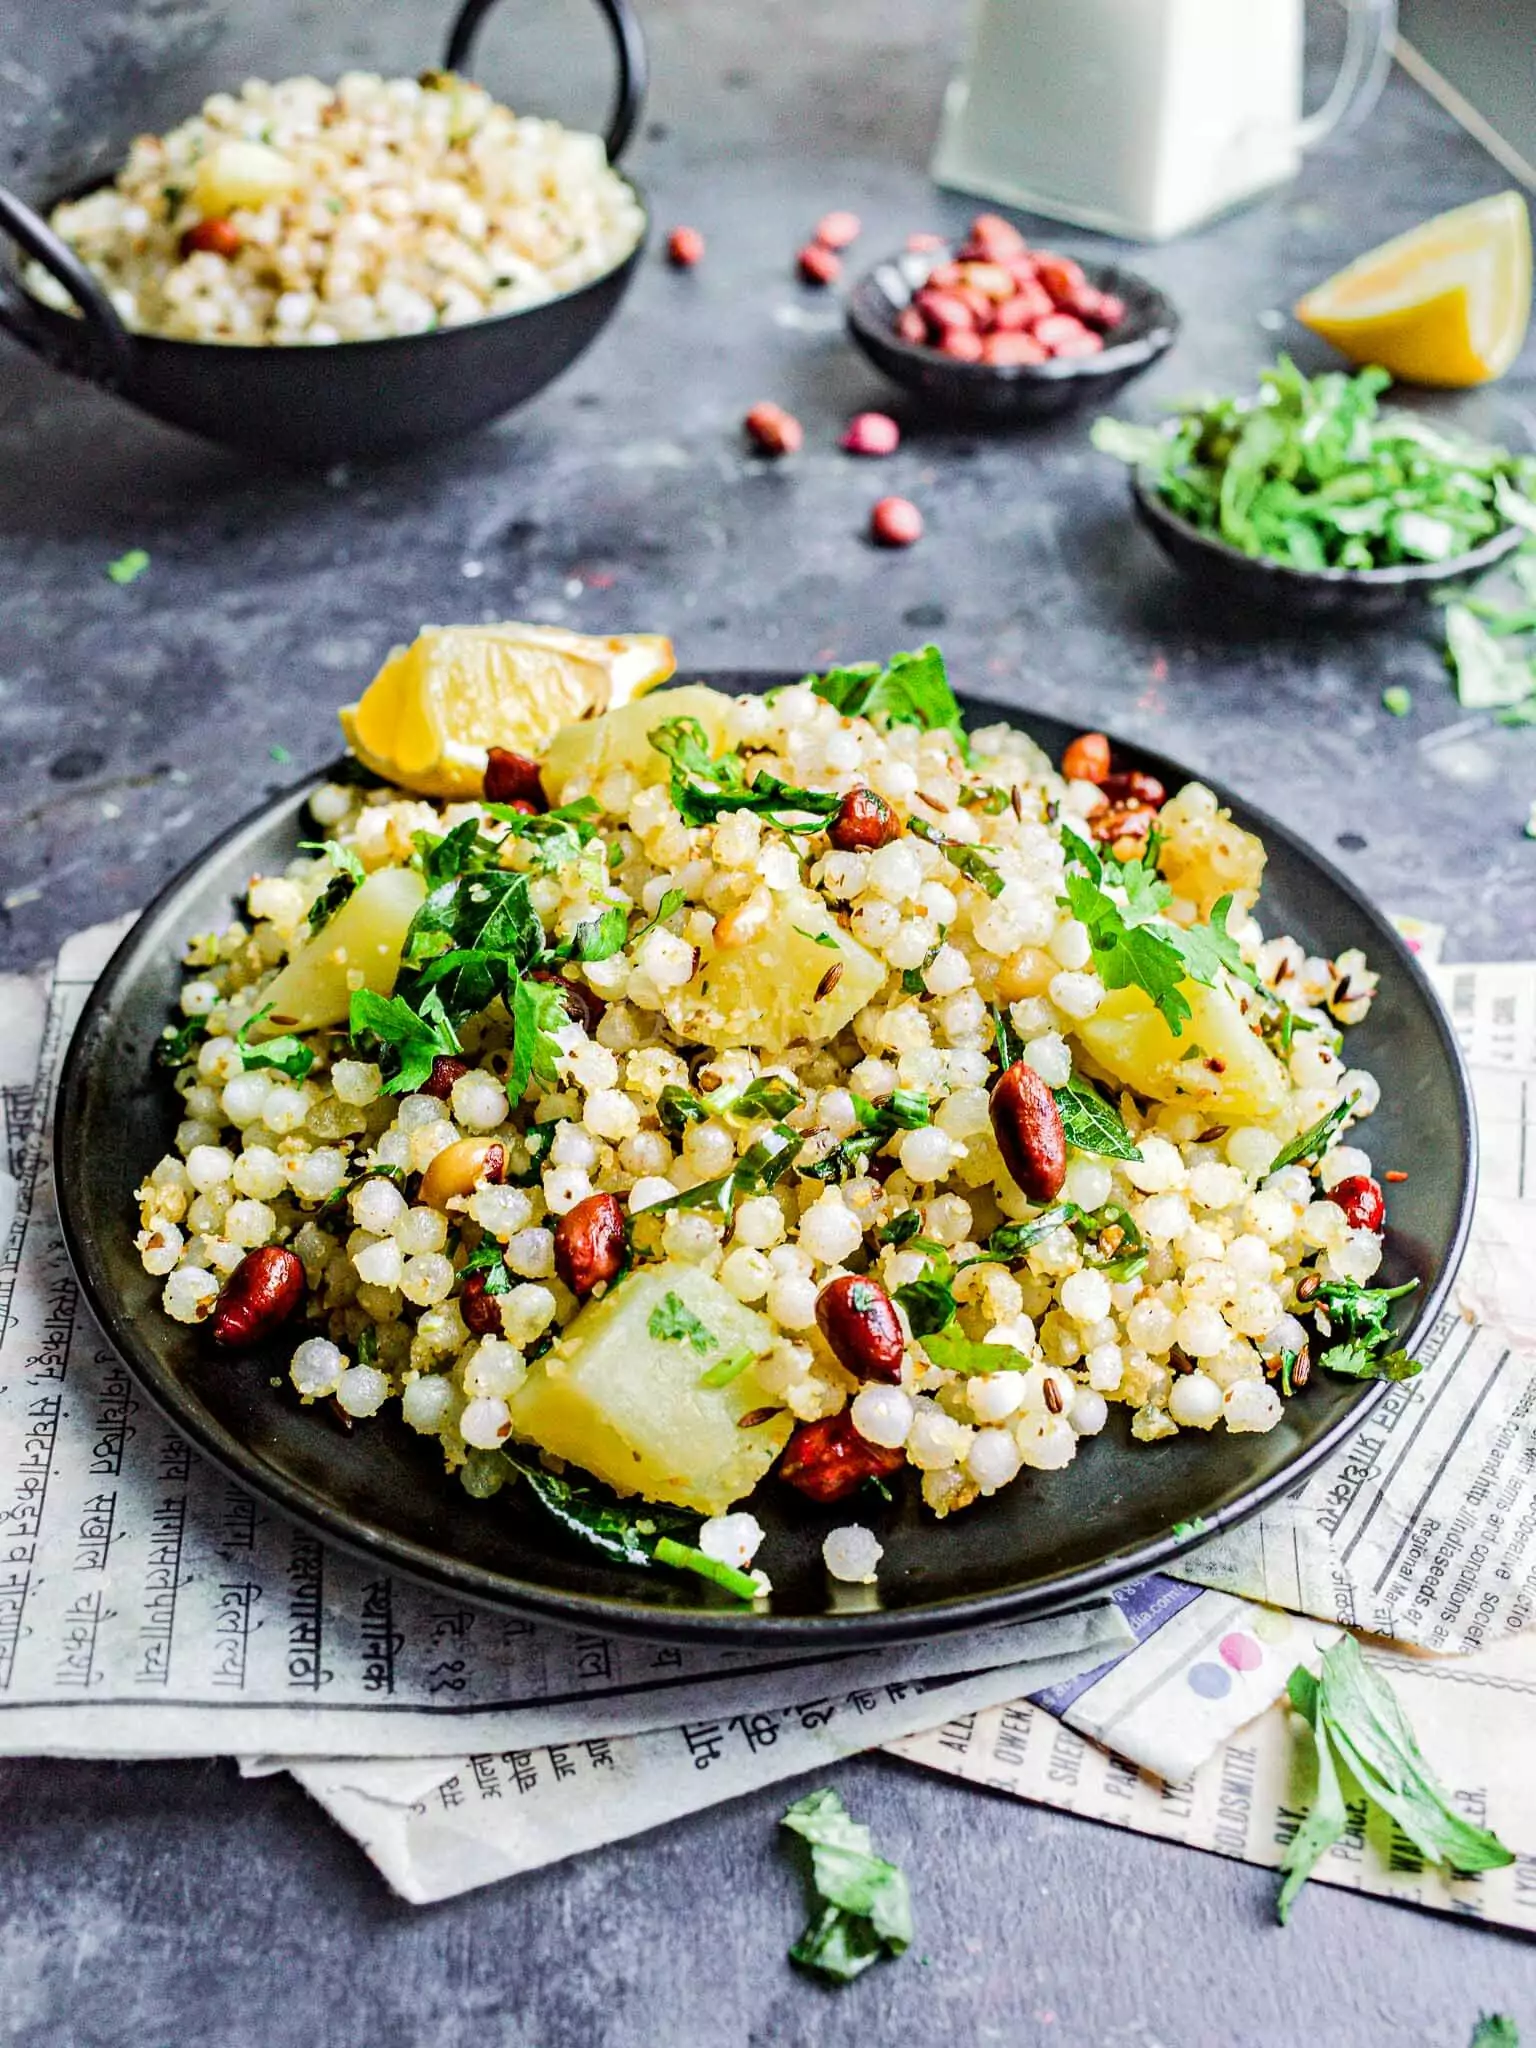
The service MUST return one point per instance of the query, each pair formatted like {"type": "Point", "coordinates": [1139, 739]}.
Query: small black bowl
{"type": "Point", "coordinates": [1008, 391]}
{"type": "Point", "coordinates": [1256, 582]}
{"type": "Point", "coordinates": [323, 404]}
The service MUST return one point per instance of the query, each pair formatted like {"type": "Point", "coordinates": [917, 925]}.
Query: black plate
{"type": "Point", "coordinates": [1004, 392]}
{"type": "Point", "coordinates": [1255, 581]}
{"type": "Point", "coordinates": [1046, 1542]}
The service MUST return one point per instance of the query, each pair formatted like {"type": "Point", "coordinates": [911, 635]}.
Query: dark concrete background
{"type": "Point", "coordinates": [159, 1903]}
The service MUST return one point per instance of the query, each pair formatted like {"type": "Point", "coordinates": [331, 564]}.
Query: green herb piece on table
{"type": "Point", "coordinates": [1360, 1316]}
{"type": "Point", "coordinates": [130, 567]}
{"type": "Point", "coordinates": [672, 1321]}
{"type": "Point", "coordinates": [1195, 1526]}
{"type": "Point", "coordinates": [1312, 473]}
{"type": "Point", "coordinates": [1361, 1736]}
{"type": "Point", "coordinates": [1489, 676]}
{"type": "Point", "coordinates": [911, 689]}
{"type": "Point", "coordinates": [290, 1056]}
{"type": "Point", "coordinates": [1397, 699]}
{"type": "Point", "coordinates": [862, 1909]}
{"type": "Point", "coordinates": [1494, 2030]}
{"type": "Point", "coordinates": [279, 754]}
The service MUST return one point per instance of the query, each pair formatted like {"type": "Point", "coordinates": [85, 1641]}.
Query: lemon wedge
{"type": "Point", "coordinates": [1447, 303]}
{"type": "Point", "coordinates": [434, 710]}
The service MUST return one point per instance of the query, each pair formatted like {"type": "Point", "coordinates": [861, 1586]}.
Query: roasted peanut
{"type": "Point", "coordinates": [1087, 758]}
{"type": "Point", "coordinates": [590, 1244]}
{"type": "Point", "coordinates": [818, 265]}
{"type": "Point", "coordinates": [445, 1071]}
{"type": "Point", "coordinates": [859, 1321]}
{"type": "Point", "coordinates": [1027, 1125]}
{"type": "Point", "coordinates": [1133, 787]}
{"type": "Point", "coordinates": [459, 1168]}
{"type": "Point", "coordinates": [740, 926]}
{"type": "Point", "coordinates": [871, 433]}
{"type": "Point", "coordinates": [481, 1311]}
{"type": "Point", "coordinates": [827, 1460]}
{"type": "Point", "coordinates": [895, 523]}
{"type": "Point", "coordinates": [685, 248]}
{"type": "Point", "coordinates": [1361, 1199]}
{"type": "Point", "coordinates": [1119, 822]}
{"type": "Point", "coordinates": [772, 430]}
{"type": "Point", "coordinates": [513, 779]}
{"type": "Point", "coordinates": [864, 822]}
{"type": "Point", "coordinates": [262, 1292]}
{"type": "Point", "coordinates": [837, 229]}
{"type": "Point", "coordinates": [217, 237]}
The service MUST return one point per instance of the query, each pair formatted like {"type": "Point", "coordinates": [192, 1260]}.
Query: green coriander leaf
{"type": "Point", "coordinates": [912, 689]}
{"type": "Point", "coordinates": [929, 1303]}
{"type": "Point", "coordinates": [600, 937]}
{"type": "Point", "coordinates": [554, 838]}
{"type": "Point", "coordinates": [1326, 1821]}
{"type": "Point", "coordinates": [470, 941]}
{"type": "Point", "coordinates": [130, 567]}
{"type": "Point", "coordinates": [280, 754]}
{"type": "Point", "coordinates": [487, 1258]}
{"type": "Point", "coordinates": [1312, 1143]}
{"type": "Point", "coordinates": [863, 1909]}
{"type": "Point", "coordinates": [350, 874]}
{"type": "Point", "coordinates": [1488, 676]}
{"type": "Point", "coordinates": [673, 1322]}
{"type": "Point", "coordinates": [538, 1011]}
{"type": "Point", "coordinates": [969, 860]}
{"type": "Point", "coordinates": [1206, 948]}
{"type": "Point", "coordinates": [175, 1045]}
{"type": "Point", "coordinates": [1495, 2030]}
{"type": "Point", "coordinates": [672, 901]}
{"type": "Point", "coordinates": [902, 1226]}
{"type": "Point", "coordinates": [1127, 956]}
{"type": "Point", "coordinates": [958, 1353]}
{"type": "Point", "coordinates": [1357, 1361]}
{"type": "Point", "coordinates": [1397, 699]}
{"type": "Point", "coordinates": [1092, 1124]}
{"type": "Point", "coordinates": [290, 1056]}
{"type": "Point", "coordinates": [412, 1040]}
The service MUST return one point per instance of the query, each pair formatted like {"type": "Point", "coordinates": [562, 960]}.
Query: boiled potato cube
{"type": "Point", "coordinates": [1218, 1063]}
{"type": "Point", "coordinates": [626, 1404]}
{"type": "Point", "coordinates": [764, 993]}
{"type": "Point", "coordinates": [364, 938]}
{"type": "Point", "coordinates": [1204, 855]}
{"type": "Point", "coordinates": [236, 173]}
{"type": "Point", "coordinates": [583, 754]}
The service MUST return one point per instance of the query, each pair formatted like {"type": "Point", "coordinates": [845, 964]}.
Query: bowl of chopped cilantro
{"type": "Point", "coordinates": [1312, 497]}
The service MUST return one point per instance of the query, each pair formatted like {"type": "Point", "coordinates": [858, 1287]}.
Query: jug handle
{"type": "Point", "coordinates": [629, 49]}
{"type": "Point", "coordinates": [1371, 33]}
{"type": "Point", "coordinates": [97, 345]}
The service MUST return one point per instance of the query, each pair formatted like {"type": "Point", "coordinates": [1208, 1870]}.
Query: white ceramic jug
{"type": "Point", "coordinates": [1144, 117]}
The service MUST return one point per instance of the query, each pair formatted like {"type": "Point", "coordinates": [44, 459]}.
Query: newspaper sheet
{"type": "Point", "coordinates": [151, 1607]}
{"type": "Point", "coordinates": [1422, 1527]}
{"type": "Point", "coordinates": [1473, 1718]}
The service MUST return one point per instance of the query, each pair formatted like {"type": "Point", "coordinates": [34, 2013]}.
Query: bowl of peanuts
{"type": "Point", "coordinates": [993, 327]}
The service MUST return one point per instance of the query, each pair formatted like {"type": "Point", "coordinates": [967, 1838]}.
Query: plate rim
{"type": "Point", "coordinates": [854, 1628]}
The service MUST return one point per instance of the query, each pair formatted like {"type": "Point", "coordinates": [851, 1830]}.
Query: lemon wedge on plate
{"type": "Point", "coordinates": [434, 710]}
{"type": "Point", "coordinates": [1447, 303]}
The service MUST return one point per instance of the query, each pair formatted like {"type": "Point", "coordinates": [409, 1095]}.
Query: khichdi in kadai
{"type": "Point", "coordinates": [789, 1083]}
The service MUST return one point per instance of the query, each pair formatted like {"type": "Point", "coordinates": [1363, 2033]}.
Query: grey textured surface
{"type": "Point", "coordinates": [147, 1904]}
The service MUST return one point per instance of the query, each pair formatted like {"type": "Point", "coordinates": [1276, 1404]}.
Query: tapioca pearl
{"type": "Point", "coordinates": [362, 1390]}
{"type": "Point", "coordinates": [994, 1396]}
{"type": "Point", "coordinates": [421, 1229]}
{"type": "Point", "coordinates": [1285, 1333]}
{"type": "Point", "coordinates": [947, 1218]}
{"type": "Point", "coordinates": [1085, 1296]}
{"type": "Point", "coordinates": [829, 1231]}
{"type": "Point", "coordinates": [199, 997]}
{"type": "Point", "coordinates": [1323, 1225]}
{"type": "Point", "coordinates": [851, 1554]}
{"type": "Point", "coordinates": [1215, 1186]}
{"type": "Point", "coordinates": [441, 1328]}
{"type": "Point", "coordinates": [1160, 1169]}
{"type": "Point", "coordinates": [938, 902]}
{"type": "Point", "coordinates": [745, 1273]}
{"type": "Point", "coordinates": [895, 872]}
{"type": "Point", "coordinates": [426, 1279]}
{"type": "Point", "coordinates": [1195, 1401]}
{"type": "Point", "coordinates": [219, 1060]}
{"type": "Point", "coordinates": [737, 838]}
{"type": "Point", "coordinates": [159, 1248]}
{"type": "Point", "coordinates": [792, 1301]}
{"type": "Point", "coordinates": [1047, 1390]}
{"type": "Point", "coordinates": [594, 1066]}
{"type": "Point", "coordinates": [486, 1423]}
{"type": "Point", "coordinates": [1269, 1217]}
{"type": "Point", "coordinates": [377, 1205]}
{"type": "Point", "coordinates": [427, 1140]}
{"type": "Point", "coordinates": [911, 944]}
{"type": "Point", "coordinates": [530, 1253]}
{"type": "Point", "coordinates": [245, 1098]}
{"type": "Point", "coordinates": [1105, 1364]}
{"type": "Point", "coordinates": [427, 1403]}
{"type": "Point", "coordinates": [417, 1111]}
{"type": "Point", "coordinates": [895, 780]}
{"type": "Point", "coordinates": [526, 1313]}
{"type": "Point", "coordinates": [1046, 1443]}
{"type": "Point", "coordinates": [1251, 1260]}
{"type": "Point", "coordinates": [1357, 1259]}
{"type": "Point", "coordinates": [357, 1082]}
{"type": "Point", "coordinates": [965, 1114]}
{"type": "Point", "coordinates": [1251, 1150]}
{"type": "Point", "coordinates": [666, 960]}
{"type": "Point", "coordinates": [835, 1112]}
{"type": "Point", "coordinates": [689, 1237]}
{"type": "Point", "coordinates": [204, 1103]}
{"type": "Point", "coordinates": [1051, 1058]}
{"type": "Point", "coordinates": [1361, 1088]}
{"type": "Point", "coordinates": [479, 1102]}
{"type": "Point", "coordinates": [927, 1154]}
{"type": "Point", "coordinates": [905, 1029]}
{"type": "Point", "coordinates": [209, 1166]}
{"type": "Point", "coordinates": [947, 972]}
{"type": "Point", "coordinates": [285, 1109]}
{"type": "Point", "coordinates": [248, 1224]}
{"type": "Point", "coordinates": [883, 1415]}
{"type": "Point", "coordinates": [564, 1187]}
{"type": "Point", "coordinates": [873, 1078]}
{"type": "Point", "coordinates": [380, 1263]}
{"type": "Point", "coordinates": [789, 1258]}
{"type": "Point", "coordinates": [709, 1149]}
{"type": "Point", "coordinates": [1201, 1330]}
{"type": "Point", "coordinates": [966, 1066]}
{"type": "Point", "coordinates": [1056, 1254]}
{"type": "Point", "coordinates": [1077, 995]}
{"type": "Point", "coordinates": [1089, 1412]}
{"type": "Point", "coordinates": [1313, 1064]}
{"type": "Point", "coordinates": [1292, 1184]}
{"type": "Point", "coordinates": [1254, 1310]}
{"type": "Point", "coordinates": [502, 1211]}
{"type": "Point", "coordinates": [645, 1152]}
{"type": "Point", "coordinates": [331, 803]}
{"type": "Point", "coordinates": [842, 876]}
{"type": "Point", "coordinates": [993, 1459]}
{"type": "Point", "coordinates": [921, 1069]}
{"type": "Point", "coordinates": [1089, 1183]}
{"type": "Point", "coordinates": [1344, 1162]}
{"type": "Point", "coordinates": [1238, 1361]}
{"type": "Point", "coordinates": [759, 1222]}
{"type": "Point", "coordinates": [936, 1441]}
{"type": "Point", "coordinates": [779, 867]}
{"type": "Point", "coordinates": [1069, 945]}
{"type": "Point", "coordinates": [1207, 1279]}
{"type": "Point", "coordinates": [207, 1212]}
{"type": "Point", "coordinates": [315, 1368]}
{"type": "Point", "coordinates": [393, 1150]}
{"type": "Point", "coordinates": [493, 1370]}
{"type": "Point", "coordinates": [962, 1019]}
{"type": "Point", "coordinates": [1250, 1407]}
{"type": "Point", "coordinates": [609, 1114]}
{"type": "Point", "coordinates": [317, 1175]}
{"type": "Point", "coordinates": [786, 1365]}
{"type": "Point", "coordinates": [876, 923]}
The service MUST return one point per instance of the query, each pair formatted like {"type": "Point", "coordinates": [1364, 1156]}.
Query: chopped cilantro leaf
{"type": "Point", "coordinates": [673, 1321]}
{"type": "Point", "coordinates": [176, 1042]}
{"type": "Point", "coordinates": [1092, 1124]}
{"type": "Point", "coordinates": [862, 1909]}
{"type": "Point", "coordinates": [410, 1040]}
{"type": "Point", "coordinates": [130, 567]}
{"type": "Point", "coordinates": [1312, 1143]}
{"type": "Point", "coordinates": [911, 689]}
{"type": "Point", "coordinates": [290, 1056]}
{"type": "Point", "coordinates": [704, 789]}
{"type": "Point", "coordinates": [958, 1353]}
{"type": "Point", "coordinates": [969, 860]}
